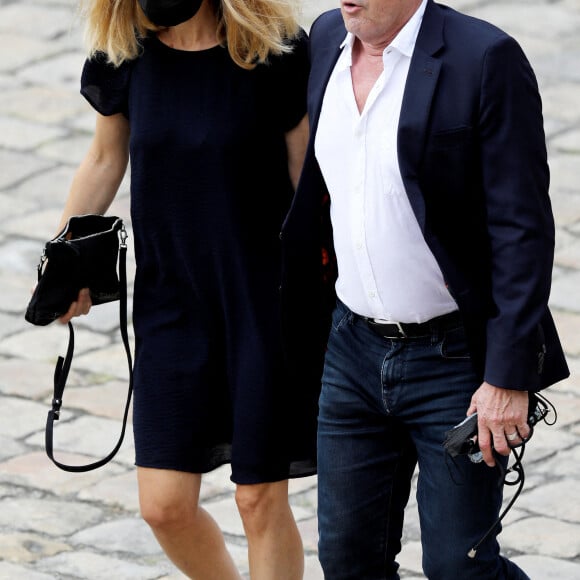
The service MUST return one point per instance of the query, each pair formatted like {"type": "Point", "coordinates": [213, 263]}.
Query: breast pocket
{"type": "Point", "coordinates": [456, 138]}
{"type": "Point", "coordinates": [450, 162]}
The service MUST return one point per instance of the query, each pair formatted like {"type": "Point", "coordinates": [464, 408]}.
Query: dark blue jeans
{"type": "Point", "coordinates": [384, 409]}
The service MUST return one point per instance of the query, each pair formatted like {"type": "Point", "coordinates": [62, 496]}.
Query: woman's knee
{"type": "Point", "coordinates": [260, 503]}
{"type": "Point", "coordinates": [161, 513]}
{"type": "Point", "coordinates": [167, 499]}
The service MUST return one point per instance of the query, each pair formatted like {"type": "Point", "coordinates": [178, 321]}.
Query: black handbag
{"type": "Point", "coordinates": [84, 255]}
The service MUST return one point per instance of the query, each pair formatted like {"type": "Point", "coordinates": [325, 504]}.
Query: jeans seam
{"type": "Point", "coordinates": [387, 522]}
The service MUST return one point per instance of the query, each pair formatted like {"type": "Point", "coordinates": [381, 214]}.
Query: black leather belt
{"type": "Point", "coordinates": [414, 329]}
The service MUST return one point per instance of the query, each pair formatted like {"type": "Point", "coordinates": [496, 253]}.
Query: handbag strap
{"type": "Point", "coordinates": [63, 366]}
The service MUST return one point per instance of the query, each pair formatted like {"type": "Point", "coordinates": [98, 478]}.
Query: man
{"type": "Point", "coordinates": [427, 157]}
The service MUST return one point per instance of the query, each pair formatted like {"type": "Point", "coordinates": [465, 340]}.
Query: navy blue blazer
{"type": "Point", "coordinates": [473, 159]}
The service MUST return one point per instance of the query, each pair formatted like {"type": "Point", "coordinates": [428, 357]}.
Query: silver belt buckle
{"type": "Point", "coordinates": [402, 333]}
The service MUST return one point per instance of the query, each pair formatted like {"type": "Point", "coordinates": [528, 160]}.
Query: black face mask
{"type": "Point", "coordinates": [169, 12]}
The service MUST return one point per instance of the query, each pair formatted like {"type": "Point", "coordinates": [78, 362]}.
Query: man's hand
{"type": "Point", "coordinates": [81, 306]}
{"type": "Point", "coordinates": [502, 419]}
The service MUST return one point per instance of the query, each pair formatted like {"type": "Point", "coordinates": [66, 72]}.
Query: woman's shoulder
{"type": "Point", "coordinates": [105, 85]}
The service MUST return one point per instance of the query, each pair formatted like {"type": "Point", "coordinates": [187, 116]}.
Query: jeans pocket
{"type": "Point", "coordinates": [454, 345]}
{"type": "Point", "coordinates": [340, 316]}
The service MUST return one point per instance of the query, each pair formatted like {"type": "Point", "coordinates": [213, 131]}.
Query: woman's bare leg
{"type": "Point", "coordinates": [274, 543]}
{"type": "Point", "coordinates": [189, 536]}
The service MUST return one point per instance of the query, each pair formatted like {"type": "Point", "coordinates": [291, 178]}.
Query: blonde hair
{"type": "Point", "coordinates": [251, 29]}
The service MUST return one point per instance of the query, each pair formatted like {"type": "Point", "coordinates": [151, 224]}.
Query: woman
{"type": "Point", "coordinates": [207, 99]}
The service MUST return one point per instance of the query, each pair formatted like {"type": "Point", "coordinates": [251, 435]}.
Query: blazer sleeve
{"type": "Point", "coordinates": [519, 216]}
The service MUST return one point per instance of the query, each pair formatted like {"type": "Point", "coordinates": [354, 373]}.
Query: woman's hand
{"type": "Point", "coordinates": [81, 306]}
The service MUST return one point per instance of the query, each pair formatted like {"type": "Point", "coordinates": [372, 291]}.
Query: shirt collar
{"type": "Point", "coordinates": [404, 42]}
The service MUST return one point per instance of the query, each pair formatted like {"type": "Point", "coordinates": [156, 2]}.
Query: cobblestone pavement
{"type": "Point", "coordinates": [86, 526]}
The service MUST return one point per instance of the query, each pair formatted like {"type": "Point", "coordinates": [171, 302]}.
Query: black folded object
{"type": "Point", "coordinates": [462, 439]}
{"type": "Point", "coordinates": [83, 255]}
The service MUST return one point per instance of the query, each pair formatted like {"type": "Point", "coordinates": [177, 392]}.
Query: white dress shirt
{"type": "Point", "coordinates": [385, 268]}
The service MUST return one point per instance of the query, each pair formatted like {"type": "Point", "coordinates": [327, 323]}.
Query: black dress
{"type": "Point", "coordinates": [209, 190]}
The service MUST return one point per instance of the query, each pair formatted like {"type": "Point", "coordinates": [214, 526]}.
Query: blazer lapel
{"type": "Point", "coordinates": [420, 87]}
{"type": "Point", "coordinates": [326, 54]}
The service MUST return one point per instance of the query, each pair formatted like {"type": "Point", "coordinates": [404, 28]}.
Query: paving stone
{"type": "Point", "coordinates": [559, 101]}
{"type": "Point", "coordinates": [558, 499]}
{"type": "Point", "coordinates": [543, 536]}
{"type": "Point", "coordinates": [46, 343]}
{"type": "Point", "coordinates": [50, 517]}
{"type": "Point", "coordinates": [47, 191]}
{"type": "Point", "coordinates": [24, 18]}
{"type": "Point", "coordinates": [9, 324]}
{"type": "Point", "coordinates": [130, 535]}
{"type": "Point", "coordinates": [9, 208]}
{"type": "Point", "coordinates": [20, 417]}
{"type": "Point", "coordinates": [23, 135]}
{"type": "Point", "coordinates": [410, 557]}
{"type": "Point", "coordinates": [109, 362]}
{"type": "Point", "coordinates": [564, 464]}
{"type": "Point", "coordinates": [17, 166]}
{"type": "Point", "coordinates": [566, 403]}
{"type": "Point", "coordinates": [8, 81]}
{"type": "Point", "coordinates": [35, 228]}
{"type": "Point", "coordinates": [63, 70]}
{"type": "Point", "coordinates": [70, 151]}
{"type": "Point", "coordinates": [565, 294]}
{"type": "Point", "coordinates": [566, 209]}
{"type": "Point", "coordinates": [87, 435]}
{"type": "Point", "coordinates": [545, 20]}
{"type": "Point", "coordinates": [115, 490]}
{"type": "Point", "coordinates": [307, 500]}
{"type": "Point", "coordinates": [545, 441]}
{"type": "Point", "coordinates": [564, 174]}
{"type": "Point", "coordinates": [302, 484]}
{"type": "Point", "coordinates": [175, 576]}
{"type": "Point", "coordinates": [35, 471]}
{"type": "Point", "coordinates": [544, 568]}
{"type": "Point", "coordinates": [101, 567]}
{"type": "Point", "coordinates": [9, 448]}
{"type": "Point", "coordinates": [568, 143]}
{"type": "Point", "coordinates": [84, 123]}
{"type": "Point", "coordinates": [21, 256]}
{"type": "Point", "coordinates": [14, 572]}
{"type": "Point", "coordinates": [17, 51]}
{"type": "Point", "coordinates": [28, 379]}
{"type": "Point", "coordinates": [309, 533]}
{"type": "Point", "coordinates": [28, 548]}
{"type": "Point", "coordinates": [102, 400]}
{"type": "Point", "coordinates": [312, 569]}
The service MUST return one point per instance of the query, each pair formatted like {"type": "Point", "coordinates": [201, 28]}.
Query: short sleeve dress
{"type": "Point", "coordinates": [209, 190]}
